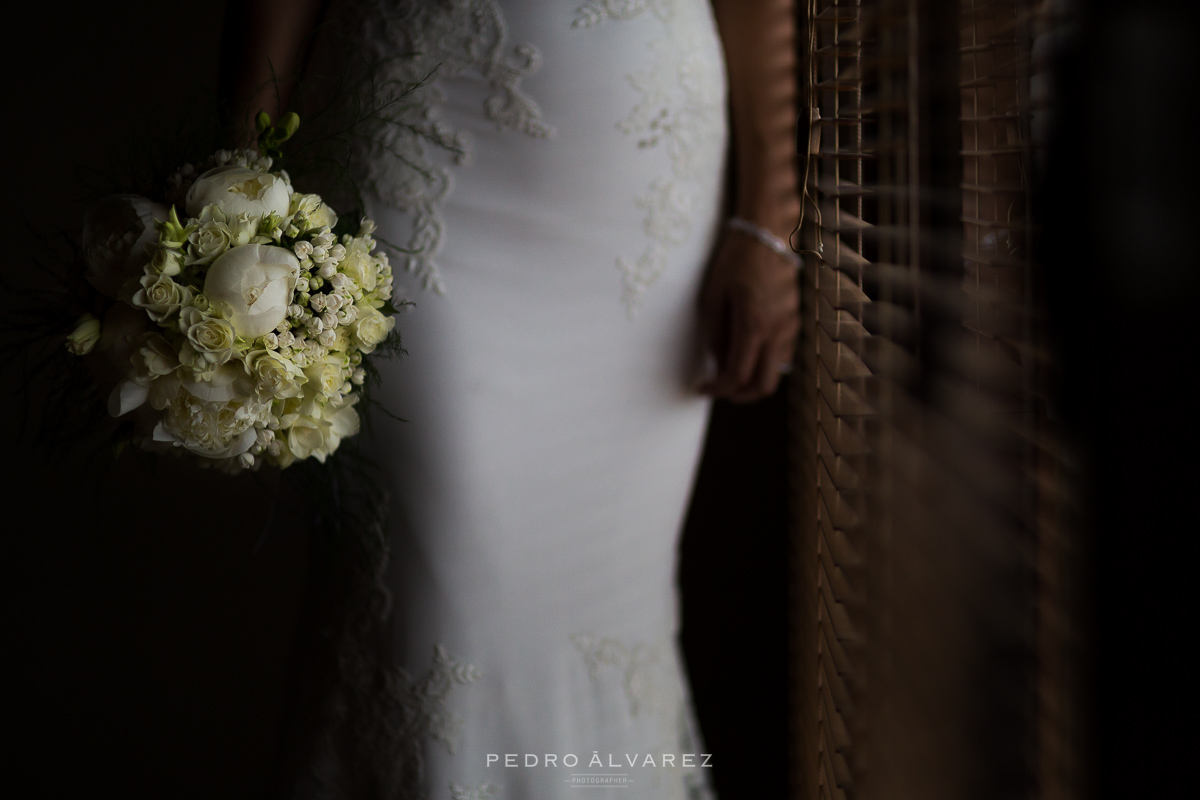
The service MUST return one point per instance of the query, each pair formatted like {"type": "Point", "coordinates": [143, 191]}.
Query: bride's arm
{"type": "Point", "coordinates": [262, 53]}
{"type": "Point", "coordinates": [751, 298]}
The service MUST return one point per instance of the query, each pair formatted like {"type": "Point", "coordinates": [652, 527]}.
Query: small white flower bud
{"type": "Point", "coordinates": [327, 269]}
{"type": "Point", "coordinates": [271, 340]}
{"type": "Point", "coordinates": [286, 339]}
{"type": "Point", "coordinates": [327, 337]}
{"type": "Point", "coordinates": [295, 310]}
{"type": "Point", "coordinates": [337, 252]}
{"type": "Point", "coordinates": [315, 325]}
{"type": "Point", "coordinates": [302, 249]}
{"type": "Point", "coordinates": [329, 320]}
{"type": "Point", "coordinates": [317, 302]}
{"type": "Point", "coordinates": [358, 376]}
{"type": "Point", "coordinates": [274, 447]}
{"type": "Point", "coordinates": [246, 459]}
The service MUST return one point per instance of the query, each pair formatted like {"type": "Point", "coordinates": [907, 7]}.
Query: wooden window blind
{"type": "Point", "coordinates": [928, 547]}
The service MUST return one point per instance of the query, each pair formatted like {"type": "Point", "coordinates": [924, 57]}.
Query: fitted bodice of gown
{"type": "Point", "coordinates": [559, 178]}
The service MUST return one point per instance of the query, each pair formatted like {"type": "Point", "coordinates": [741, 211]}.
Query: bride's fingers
{"type": "Point", "coordinates": [774, 360]}
{"type": "Point", "coordinates": [732, 362]}
{"type": "Point", "coordinates": [763, 381]}
{"type": "Point", "coordinates": [743, 352]}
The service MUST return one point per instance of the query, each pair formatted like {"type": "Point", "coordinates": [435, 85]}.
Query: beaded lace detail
{"type": "Point", "coordinates": [484, 791]}
{"type": "Point", "coordinates": [440, 40]}
{"type": "Point", "coordinates": [681, 108]}
{"type": "Point", "coordinates": [653, 686]}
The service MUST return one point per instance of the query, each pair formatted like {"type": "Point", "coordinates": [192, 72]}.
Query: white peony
{"type": "Point", "coordinates": [235, 190]}
{"type": "Point", "coordinates": [225, 383]}
{"type": "Point", "coordinates": [252, 286]}
{"type": "Point", "coordinates": [212, 429]}
{"type": "Point", "coordinates": [118, 233]}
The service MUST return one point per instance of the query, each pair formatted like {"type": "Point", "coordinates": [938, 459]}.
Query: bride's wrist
{"type": "Point", "coordinates": [775, 211]}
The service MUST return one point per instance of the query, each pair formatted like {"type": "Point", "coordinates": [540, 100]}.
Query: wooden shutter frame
{"type": "Point", "coordinates": [928, 525]}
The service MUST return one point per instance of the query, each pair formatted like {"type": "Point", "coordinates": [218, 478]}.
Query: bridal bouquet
{"type": "Point", "coordinates": [239, 311]}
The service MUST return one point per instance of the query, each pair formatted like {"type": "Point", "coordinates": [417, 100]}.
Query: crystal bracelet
{"type": "Point", "coordinates": [767, 239]}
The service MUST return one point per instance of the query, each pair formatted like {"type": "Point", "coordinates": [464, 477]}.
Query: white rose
{"type": "Point", "coordinates": [341, 339]}
{"type": "Point", "coordinates": [161, 296]}
{"type": "Point", "coordinates": [87, 332]}
{"type": "Point", "coordinates": [211, 337]}
{"type": "Point", "coordinates": [372, 328]}
{"type": "Point", "coordinates": [323, 217]}
{"type": "Point", "coordinates": [325, 377]}
{"type": "Point", "coordinates": [208, 241]}
{"type": "Point", "coordinates": [117, 234]}
{"type": "Point", "coordinates": [165, 261]}
{"type": "Point", "coordinates": [253, 286]}
{"type": "Point", "coordinates": [362, 268]}
{"type": "Point", "coordinates": [310, 206]}
{"type": "Point", "coordinates": [235, 191]}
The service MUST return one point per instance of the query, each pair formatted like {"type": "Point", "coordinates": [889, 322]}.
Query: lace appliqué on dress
{"type": "Point", "coordinates": [419, 713]}
{"type": "Point", "coordinates": [681, 107]}
{"type": "Point", "coordinates": [424, 700]}
{"type": "Point", "coordinates": [438, 40]}
{"type": "Point", "coordinates": [653, 687]}
{"type": "Point", "coordinates": [637, 663]}
{"type": "Point", "coordinates": [484, 791]}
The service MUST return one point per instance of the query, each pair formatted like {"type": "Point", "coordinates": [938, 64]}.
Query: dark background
{"type": "Point", "coordinates": [146, 654]}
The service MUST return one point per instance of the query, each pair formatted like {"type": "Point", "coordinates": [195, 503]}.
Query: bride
{"type": "Point", "coordinates": [570, 269]}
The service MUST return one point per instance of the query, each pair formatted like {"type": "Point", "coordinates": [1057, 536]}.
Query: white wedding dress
{"type": "Point", "coordinates": [553, 430]}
